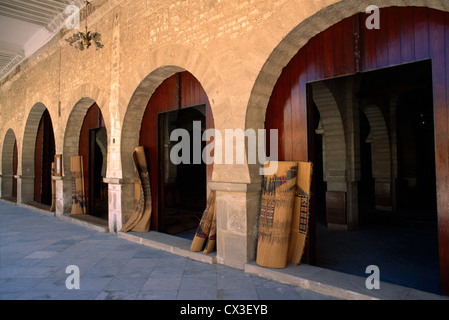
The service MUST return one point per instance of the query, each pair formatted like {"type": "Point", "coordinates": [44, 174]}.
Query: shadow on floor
{"type": "Point", "coordinates": [406, 251]}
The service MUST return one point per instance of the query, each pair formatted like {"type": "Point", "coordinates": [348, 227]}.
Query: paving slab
{"type": "Point", "coordinates": [37, 247]}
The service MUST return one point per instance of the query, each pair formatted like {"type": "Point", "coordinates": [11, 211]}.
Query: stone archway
{"type": "Point", "coordinates": [313, 19]}
{"type": "Point", "coordinates": [149, 74]}
{"type": "Point", "coordinates": [70, 145]}
{"type": "Point", "coordinates": [133, 121]}
{"type": "Point", "coordinates": [288, 47]}
{"type": "Point", "coordinates": [381, 156]}
{"type": "Point", "coordinates": [230, 181]}
{"type": "Point", "coordinates": [27, 168]}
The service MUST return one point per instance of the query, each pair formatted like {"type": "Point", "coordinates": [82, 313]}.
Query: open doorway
{"type": "Point", "coordinates": [178, 192]}
{"type": "Point", "coordinates": [98, 191]}
{"type": "Point", "coordinates": [93, 148]}
{"type": "Point", "coordinates": [396, 182]}
{"type": "Point", "coordinates": [183, 186]}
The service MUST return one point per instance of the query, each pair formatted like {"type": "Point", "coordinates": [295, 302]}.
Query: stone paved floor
{"type": "Point", "coordinates": [36, 248]}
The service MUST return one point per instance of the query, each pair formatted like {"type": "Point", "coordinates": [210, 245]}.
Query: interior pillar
{"type": "Point", "coordinates": [344, 91]}
{"type": "Point", "coordinates": [61, 205]}
{"type": "Point", "coordinates": [394, 98]}
{"type": "Point", "coordinates": [6, 183]}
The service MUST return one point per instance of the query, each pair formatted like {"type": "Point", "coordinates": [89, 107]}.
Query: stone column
{"type": "Point", "coordinates": [336, 199]}
{"type": "Point", "coordinates": [237, 221]}
{"type": "Point", "coordinates": [120, 189]}
{"type": "Point", "coordinates": [25, 188]}
{"type": "Point", "coordinates": [334, 154]}
{"type": "Point", "coordinates": [61, 205]}
{"type": "Point", "coordinates": [344, 91]}
{"type": "Point", "coordinates": [120, 197]}
{"type": "Point", "coordinates": [351, 122]}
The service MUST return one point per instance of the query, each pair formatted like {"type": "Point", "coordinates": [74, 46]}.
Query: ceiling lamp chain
{"type": "Point", "coordinates": [83, 40]}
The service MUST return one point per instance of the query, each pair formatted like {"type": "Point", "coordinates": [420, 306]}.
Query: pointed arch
{"type": "Point", "coordinates": [334, 143]}
{"type": "Point", "coordinates": [380, 142]}
{"type": "Point", "coordinates": [27, 168]}
{"type": "Point", "coordinates": [71, 142]}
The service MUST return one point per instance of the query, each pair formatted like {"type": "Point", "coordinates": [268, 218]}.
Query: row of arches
{"type": "Point", "coordinates": [86, 134]}
{"type": "Point", "coordinates": [34, 169]}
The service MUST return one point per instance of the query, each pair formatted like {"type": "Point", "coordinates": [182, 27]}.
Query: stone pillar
{"type": "Point", "coordinates": [351, 120]}
{"type": "Point", "coordinates": [382, 189]}
{"type": "Point", "coordinates": [237, 222]}
{"type": "Point", "coordinates": [120, 202]}
{"type": "Point", "coordinates": [120, 189]}
{"type": "Point", "coordinates": [334, 155]}
{"type": "Point", "coordinates": [65, 186]}
{"type": "Point", "coordinates": [336, 200]}
{"type": "Point", "coordinates": [25, 188]}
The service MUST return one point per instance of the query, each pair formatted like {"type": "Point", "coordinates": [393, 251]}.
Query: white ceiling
{"type": "Point", "coordinates": [26, 25]}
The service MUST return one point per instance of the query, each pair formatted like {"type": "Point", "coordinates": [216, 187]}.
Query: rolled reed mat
{"type": "Point", "coordinates": [204, 228]}
{"type": "Point", "coordinates": [140, 219]}
{"type": "Point", "coordinates": [300, 218]}
{"type": "Point", "coordinates": [143, 225]}
{"type": "Point", "coordinates": [53, 189]}
{"type": "Point", "coordinates": [78, 196]}
{"type": "Point", "coordinates": [211, 239]}
{"type": "Point", "coordinates": [276, 207]}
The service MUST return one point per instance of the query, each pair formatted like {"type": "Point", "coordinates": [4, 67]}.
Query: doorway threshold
{"type": "Point", "coordinates": [38, 205]}
{"type": "Point", "coordinates": [173, 244]}
{"type": "Point", "coordinates": [9, 199]}
{"type": "Point", "coordinates": [85, 222]}
{"type": "Point", "coordinates": [337, 284]}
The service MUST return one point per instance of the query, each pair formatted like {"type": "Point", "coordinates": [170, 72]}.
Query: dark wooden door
{"type": "Point", "coordinates": [92, 120]}
{"type": "Point", "coordinates": [44, 156]}
{"type": "Point", "coordinates": [406, 35]}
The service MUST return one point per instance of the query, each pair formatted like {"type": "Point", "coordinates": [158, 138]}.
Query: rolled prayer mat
{"type": "Point", "coordinates": [277, 199]}
{"type": "Point", "coordinates": [78, 196]}
{"type": "Point", "coordinates": [211, 239]}
{"type": "Point", "coordinates": [205, 225]}
{"type": "Point", "coordinates": [300, 218]}
{"type": "Point", "coordinates": [139, 199]}
{"type": "Point", "coordinates": [140, 219]}
{"type": "Point", "coordinates": [145, 221]}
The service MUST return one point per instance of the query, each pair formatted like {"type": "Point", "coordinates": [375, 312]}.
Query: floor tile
{"type": "Point", "coordinates": [36, 248]}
